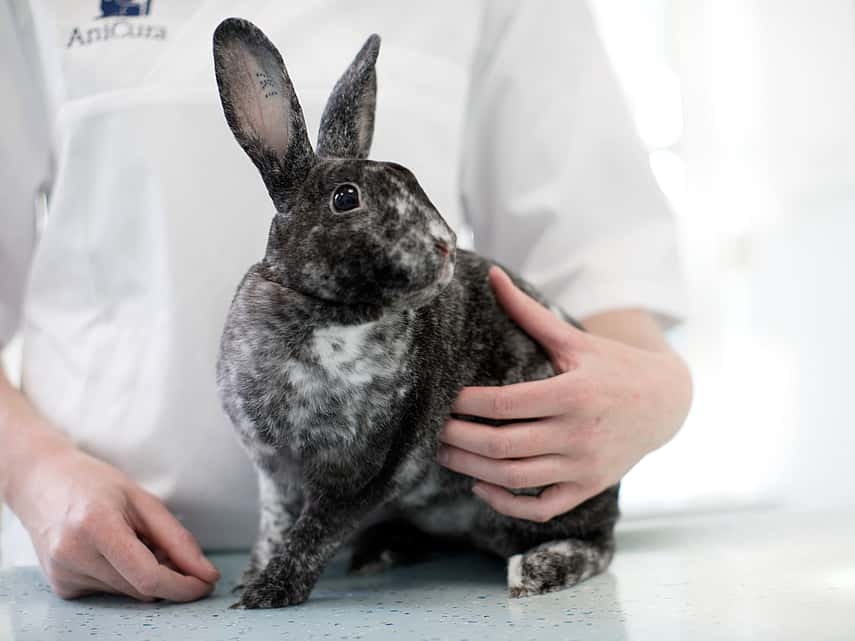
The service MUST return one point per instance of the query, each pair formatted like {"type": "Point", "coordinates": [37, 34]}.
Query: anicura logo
{"type": "Point", "coordinates": [124, 8]}
{"type": "Point", "coordinates": [115, 26]}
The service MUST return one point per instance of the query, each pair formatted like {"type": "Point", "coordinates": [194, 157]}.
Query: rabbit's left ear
{"type": "Point", "coordinates": [347, 124]}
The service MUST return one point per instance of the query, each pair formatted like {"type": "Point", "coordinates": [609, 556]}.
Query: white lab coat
{"type": "Point", "coordinates": [508, 113]}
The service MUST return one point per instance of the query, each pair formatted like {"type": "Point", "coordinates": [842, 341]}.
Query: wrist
{"type": "Point", "coordinates": [28, 439]}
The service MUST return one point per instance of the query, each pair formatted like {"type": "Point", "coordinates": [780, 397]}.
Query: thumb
{"type": "Point", "coordinates": [163, 530]}
{"type": "Point", "coordinates": [554, 335]}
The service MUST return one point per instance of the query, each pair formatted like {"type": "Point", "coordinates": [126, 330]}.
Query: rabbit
{"type": "Point", "coordinates": [345, 346]}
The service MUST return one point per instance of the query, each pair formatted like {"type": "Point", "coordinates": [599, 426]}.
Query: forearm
{"type": "Point", "coordinates": [26, 437]}
{"type": "Point", "coordinates": [633, 327]}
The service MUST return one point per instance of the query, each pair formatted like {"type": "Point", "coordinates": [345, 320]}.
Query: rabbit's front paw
{"type": "Point", "coordinates": [266, 593]}
{"type": "Point", "coordinates": [249, 575]}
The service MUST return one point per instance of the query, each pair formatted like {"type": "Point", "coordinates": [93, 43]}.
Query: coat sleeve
{"type": "Point", "coordinates": [24, 158]}
{"type": "Point", "coordinates": [555, 182]}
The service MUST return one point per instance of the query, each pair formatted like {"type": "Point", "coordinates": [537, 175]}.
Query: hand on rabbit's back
{"type": "Point", "coordinates": [346, 344]}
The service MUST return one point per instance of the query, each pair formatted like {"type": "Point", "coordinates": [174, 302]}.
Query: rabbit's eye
{"type": "Point", "coordinates": [345, 197]}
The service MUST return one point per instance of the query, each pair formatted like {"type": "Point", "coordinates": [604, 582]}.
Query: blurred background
{"type": "Point", "coordinates": [746, 107]}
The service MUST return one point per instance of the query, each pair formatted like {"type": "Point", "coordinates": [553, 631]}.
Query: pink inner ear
{"type": "Point", "coordinates": [260, 102]}
{"type": "Point", "coordinates": [365, 127]}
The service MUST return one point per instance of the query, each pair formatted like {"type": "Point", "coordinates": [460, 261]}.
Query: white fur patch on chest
{"type": "Point", "coordinates": [350, 368]}
{"type": "Point", "coordinates": [343, 351]}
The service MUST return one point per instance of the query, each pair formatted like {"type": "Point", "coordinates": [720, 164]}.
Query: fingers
{"type": "Point", "coordinates": [137, 565]}
{"type": "Point", "coordinates": [92, 574]}
{"type": "Point", "coordinates": [554, 500]}
{"type": "Point", "coordinates": [86, 586]}
{"type": "Point", "coordinates": [101, 552]}
{"type": "Point", "coordinates": [553, 333]}
{"type": "Point", "coordinates": [163, 530]}
{"type": "Point", "coordinates": [517, 474]}
{"type": "Point", "coordinates": [68, 583]}
{"type": "Point", "coordinates": [508, 441]}
{"type": "Point", "coordinates": [109, 580]}
{"type": "Point", "coordinates": [549, 397]}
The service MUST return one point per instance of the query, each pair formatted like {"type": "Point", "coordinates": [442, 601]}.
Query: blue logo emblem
{"type": "Point", "coordinates": [124, 8]}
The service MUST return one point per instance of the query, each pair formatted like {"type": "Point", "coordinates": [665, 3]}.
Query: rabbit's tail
{"type": "Point", "coordinates": [557, 565]}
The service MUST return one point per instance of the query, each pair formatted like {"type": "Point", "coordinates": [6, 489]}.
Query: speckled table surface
{"type": "Point", "coordinates": [763, 575]}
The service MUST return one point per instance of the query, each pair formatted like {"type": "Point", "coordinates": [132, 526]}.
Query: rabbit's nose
{"type": "Point", "coordinates": [441, 247]}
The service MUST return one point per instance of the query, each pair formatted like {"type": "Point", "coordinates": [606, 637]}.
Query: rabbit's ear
{"type": "Point", "coordinates": [347, 125]}
{"type": "Point", "coordinates": [261, 107]}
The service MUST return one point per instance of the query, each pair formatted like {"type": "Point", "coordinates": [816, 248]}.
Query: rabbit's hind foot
{"type": "Point", "coordinates": [557, 565]}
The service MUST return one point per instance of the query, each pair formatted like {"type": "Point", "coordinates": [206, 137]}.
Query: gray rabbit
{"type": "Point", "coordinates": [346, 345]}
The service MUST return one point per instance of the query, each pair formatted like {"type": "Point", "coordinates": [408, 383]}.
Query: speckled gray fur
{"type": "Point", "coordinates": [346, 344]}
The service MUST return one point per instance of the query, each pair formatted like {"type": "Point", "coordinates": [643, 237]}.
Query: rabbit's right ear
{"type": "Point", "coordinates": [261, 107]}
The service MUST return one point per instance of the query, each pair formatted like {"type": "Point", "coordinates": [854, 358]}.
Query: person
{"type": "Point", "coordinates": [118, 466]}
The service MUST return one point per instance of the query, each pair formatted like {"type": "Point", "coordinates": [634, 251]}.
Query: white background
{"type": "Point", "coordinates": [748, 109]}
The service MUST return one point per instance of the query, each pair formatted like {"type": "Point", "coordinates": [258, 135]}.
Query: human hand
{"type": "Point", "coordinates": [95, 530]}
{"type": "Point", "coordinates": [580, 431]}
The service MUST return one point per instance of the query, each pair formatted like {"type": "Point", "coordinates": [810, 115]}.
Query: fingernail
{"type": "Point", "coordinates": [478, 491]}
{"type": "Point", "coordinates": [442, 455]}
{"type": "Point", "coordinates": [210, 566]}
